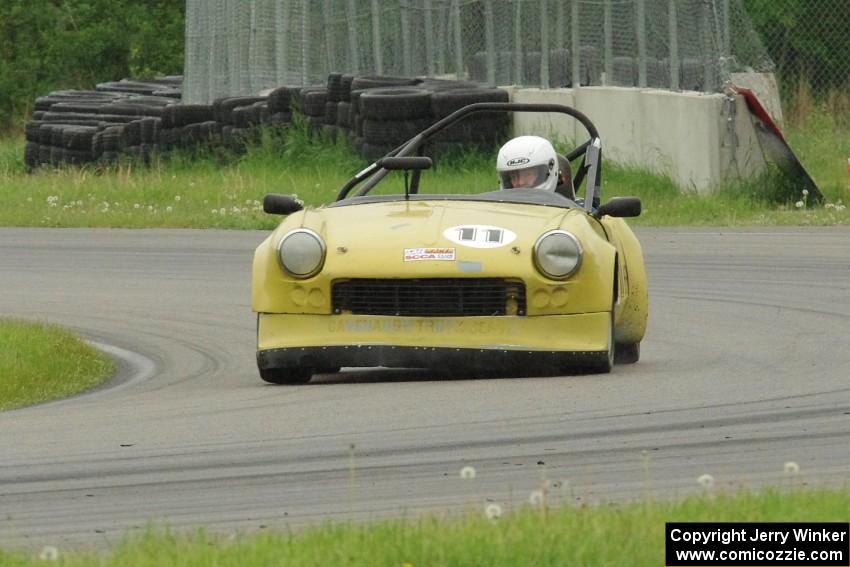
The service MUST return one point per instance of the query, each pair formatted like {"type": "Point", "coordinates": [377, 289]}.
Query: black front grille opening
{"type": "Point", "coordinates": [437, 297]}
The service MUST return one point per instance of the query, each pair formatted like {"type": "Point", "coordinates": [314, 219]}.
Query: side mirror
{"type": "Point", "coordinates": [620, 207]}
{"type": "Point", "coordinates": [277, 204]}
{"type": "Point", "coordinates": [410, 162]}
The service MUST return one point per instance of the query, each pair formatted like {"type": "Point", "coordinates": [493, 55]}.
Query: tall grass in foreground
{"type": "Point", "coordinates": [629, 534]}
{"type": "Point", "coordinates": [41, 362]}
{"type": "Point", "coordinates": [211, 189]}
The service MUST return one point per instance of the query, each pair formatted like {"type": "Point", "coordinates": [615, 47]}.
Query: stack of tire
{"type": "Point", "coordinates": [78, 127]}
{"type": "Point", "coordinates": [384, 117]}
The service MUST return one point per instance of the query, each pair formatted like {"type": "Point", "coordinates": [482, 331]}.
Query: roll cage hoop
{"type": "Point", "coordinates": [590, 151]}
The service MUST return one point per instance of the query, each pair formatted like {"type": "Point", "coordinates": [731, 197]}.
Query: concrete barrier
{"type": "Point", "coordinates": [699, 140]}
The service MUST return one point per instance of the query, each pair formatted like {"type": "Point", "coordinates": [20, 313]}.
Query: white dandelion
{"type": "Point", "coordinates": [467, 472]}
{"type": "Point", "coordinates": [791, 468]}
{"type": "Point", "coordinates": [536, 498]}
{"type": "Point", "coordinates": [168, 209]}
{"type": "Point", "coordinates": [177, 198]}
{"type": "Point", "coordinates": [799, 204]}
{"type": "Point", "coordinates": [222, 211]}
{"type": "Point", "coordinates": [49, 553]}
{"type": "Point", "coordinates": [493, 511]}
{"type": "Point", "coordinates": [136, 205]}
{"type": "Point", "coordinates": [706, 481]}
{"type": "Point", "coordinates": [214, 211]}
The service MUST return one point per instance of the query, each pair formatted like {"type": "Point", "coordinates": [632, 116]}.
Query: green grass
{"type": "Point", "coordinates": [627, 534]}
{"type": "Point", "coordinates": [216, 191]}
{"type": "Point", "coordinates": [41, 362]}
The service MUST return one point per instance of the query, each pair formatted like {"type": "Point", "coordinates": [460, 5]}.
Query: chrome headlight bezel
{"type": "Point", "coordinates": [544, 266]}
{"type": "Point", "coordinates": [315, 267]}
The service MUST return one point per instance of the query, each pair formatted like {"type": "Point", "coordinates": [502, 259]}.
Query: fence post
{"type": "Point", "coordinates": [490, 40]}
{"type": "Point", "coordinates": [708, 54]}
{"type": "Point", "coordinates": [674, 45]}
{"type": "Point", "coordinates": [211, 78]}
{"type": "Point", "coordinates": [458, 31]}
{"type": "Point", "coordinates": [518, 58]}
{"type": "Point", "coordinates": [305, 45]}
{"type": "Point", "coordinates": [575, 46]}
{"type": "Point", "coordinates": [406, 56]}
{"type": "Point", "coordinates": [232, 45]}
{"type": "Point", "coordinates": [641, 41]}
{"type": "Point", "coordinates": [442, 37]}
{"type": "Point", "coordinates": [559, 25]}
{"type": "Point", "coordinates": [329, 38]}
{"type": "Point", "coordinates": [429, 36]}
{"type": "Point", "coordinates": [376, 38]}
{"type": "Point", "coordinates": [544, 44]}
{"type": "Point", "coordinates": [609, 44]}
{"type": "Point", "coordinates": [353, 47]}
{"type": "Point", "coordinates": [281, 15]}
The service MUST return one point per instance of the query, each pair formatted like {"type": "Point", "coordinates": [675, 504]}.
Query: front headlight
{"type": "Point", "coordinates": [301, 253]}
{"type": "Point", "coordinates": [557, 254]}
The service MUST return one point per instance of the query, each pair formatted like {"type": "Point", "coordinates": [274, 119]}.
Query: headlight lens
{"type": "Point", "coordinates": [301, 253]}
{"type": "Point", "coordinates": [557, 254]}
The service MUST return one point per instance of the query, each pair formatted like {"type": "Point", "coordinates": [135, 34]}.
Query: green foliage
{"type": "Point", "coordinates": [47, 45]}
{"type": "Point", "coordinates": [43, 362]}
{"type": "Point", "coordinates": [807, 40]}
{"type": "Point", "coordinates": [613, 534]}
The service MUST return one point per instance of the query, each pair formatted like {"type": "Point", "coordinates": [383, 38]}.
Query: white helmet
{"type": "Point", "coordinates": [527, 162]}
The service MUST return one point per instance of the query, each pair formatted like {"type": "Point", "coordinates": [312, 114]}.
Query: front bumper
{"type": "Point", "coordinates": [322, 341]}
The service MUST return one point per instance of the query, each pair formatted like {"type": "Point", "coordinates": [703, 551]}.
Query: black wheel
{"type": "Point", "coordinates": [447, 101]}
{"type": "Point", "coordinates": [393, 132]}
{"type": "Point", "coordinates": [395, 103]}
{"type": "Point", "coordinates": [627, 353]}
{"type": "Point", "coordinates": [286, 376]}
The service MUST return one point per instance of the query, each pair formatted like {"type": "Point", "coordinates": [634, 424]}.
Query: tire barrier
{"type": "Point", "coordinates": [140, 119]}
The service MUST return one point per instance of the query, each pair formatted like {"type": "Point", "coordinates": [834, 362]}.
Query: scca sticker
{"type": "Point", "coordinates": [479, 236]}
{"type": "Point", "coordinates": [420, 254]}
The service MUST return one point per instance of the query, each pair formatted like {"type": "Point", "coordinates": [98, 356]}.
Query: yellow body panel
{"type": "Point", "coordinates": [585, 332]}
{"type": "Point", "coordinates": [368, 241]}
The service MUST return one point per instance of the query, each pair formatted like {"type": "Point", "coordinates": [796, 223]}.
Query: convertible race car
{"type": "Point", "coordinates": [518, 278]}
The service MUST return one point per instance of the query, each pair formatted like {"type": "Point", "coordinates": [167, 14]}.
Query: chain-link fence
{"type": "Point", "coordinates": [809, 40]}
{"type": "Point", "coordinates": [235, 47]}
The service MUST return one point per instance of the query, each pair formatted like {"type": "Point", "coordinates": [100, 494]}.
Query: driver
{"type": "Point", "coordinates": [528, 162]}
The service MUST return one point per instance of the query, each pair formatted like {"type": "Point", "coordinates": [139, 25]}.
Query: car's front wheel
{"type": "Point", "coordinates": [286, 376]}
{"type": "Point", "coordinates": [627, 353]}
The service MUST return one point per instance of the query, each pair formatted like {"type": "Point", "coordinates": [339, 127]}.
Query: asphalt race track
{"type": "Point", "coordinates": [746, 366]}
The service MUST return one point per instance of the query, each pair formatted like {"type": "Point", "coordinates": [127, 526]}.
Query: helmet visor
{"type": "Point", "coordinates": [525, 178]}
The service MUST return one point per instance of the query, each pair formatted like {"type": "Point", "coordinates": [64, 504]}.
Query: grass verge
{"type": "Point", "coordinates": [628, 534]}
{"type": "Point", "coordinates": [211, 190]}
{"type": "Point", "coordinates": [41, 362]}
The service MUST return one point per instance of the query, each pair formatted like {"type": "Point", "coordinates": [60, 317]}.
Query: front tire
{"type": "Point", "coordinates": [286, 376]}
{"type": "Point", "coordinates": [627, 353]}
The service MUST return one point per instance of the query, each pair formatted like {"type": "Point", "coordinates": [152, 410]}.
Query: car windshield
{"type": "Point", "coordinates": [517, 196]}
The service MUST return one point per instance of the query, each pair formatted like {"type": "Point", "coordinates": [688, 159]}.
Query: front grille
{"type": "Point", "coordinates": [437, 297]}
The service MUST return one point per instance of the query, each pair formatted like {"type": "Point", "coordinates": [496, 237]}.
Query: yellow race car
{"type": "Point", "coordinates": [515, 278]}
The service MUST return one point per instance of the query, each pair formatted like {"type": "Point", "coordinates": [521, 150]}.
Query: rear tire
{"type": "Point", "coordinates": [286, 376]}
{"type": "Point", "coordinates": [627, 353]}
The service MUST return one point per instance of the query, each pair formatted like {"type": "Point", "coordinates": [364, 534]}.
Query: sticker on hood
{"type": "Point", "coordinates": [479, 236]}
{"type": "Point", "coordinates": [420, 254]}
